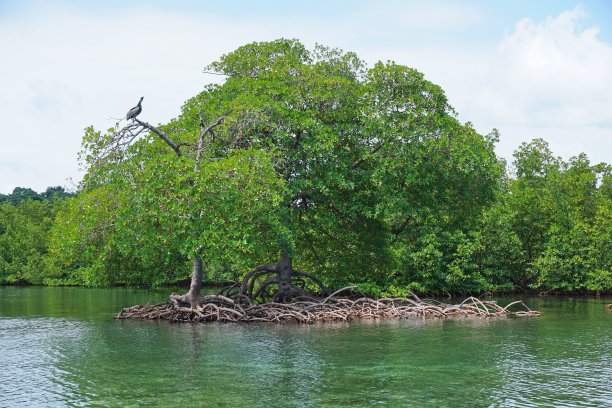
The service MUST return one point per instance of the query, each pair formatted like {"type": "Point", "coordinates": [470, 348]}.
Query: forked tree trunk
{"type": "Point", "coordinates": [256, 284]}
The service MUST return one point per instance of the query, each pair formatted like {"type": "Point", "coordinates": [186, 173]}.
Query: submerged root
{"type": "Point", "coordinates": [330, 309]}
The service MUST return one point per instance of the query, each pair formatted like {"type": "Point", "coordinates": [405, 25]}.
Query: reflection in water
{"type": "Point", "coordinates": [67, 351]}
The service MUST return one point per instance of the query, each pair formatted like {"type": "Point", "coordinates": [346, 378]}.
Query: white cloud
{"type": "Point", "coordinates": [550, 79]}
{"type": "Point", "coordinates": [63, 70]}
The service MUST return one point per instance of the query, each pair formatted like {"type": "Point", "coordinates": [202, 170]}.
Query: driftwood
{"type": "Point", "coordinates": [331, 309]}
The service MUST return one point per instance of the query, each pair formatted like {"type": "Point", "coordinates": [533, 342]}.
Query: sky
{"type": "Point", "coordinates": [527, 68]}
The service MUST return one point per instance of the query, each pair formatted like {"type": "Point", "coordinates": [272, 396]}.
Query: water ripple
{"type": "Point", "coordinates": [561, 359]}
{"type": "Point", "coordinates": [31, 351]}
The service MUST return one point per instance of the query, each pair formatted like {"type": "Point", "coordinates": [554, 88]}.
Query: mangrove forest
{"type": "Point", "coordinates": [305, 171]}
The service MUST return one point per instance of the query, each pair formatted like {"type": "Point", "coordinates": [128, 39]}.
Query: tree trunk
{"type": "Point", "coordinates": [284, 271]}
{"type": "Point", "coordinates": [193, 296]}
{"type": "Point", "coordinates": [255, 285]}
{"type": "Point", "coordinates": [196, 282]}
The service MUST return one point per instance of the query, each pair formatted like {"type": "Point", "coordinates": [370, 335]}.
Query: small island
{"type": "Point", "coordinates": [332, 176]}
{"type": "Point", "coordinates": [419, 218]}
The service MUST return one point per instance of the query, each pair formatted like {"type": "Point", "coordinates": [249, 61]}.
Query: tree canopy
{"type": "Point", "coordinates": [374, 160]}
{"type": "Point", "coordinates": [357, 175]}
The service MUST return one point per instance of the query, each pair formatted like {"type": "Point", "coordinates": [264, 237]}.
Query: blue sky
{"type": "Point", "coordinates": [529, 68]}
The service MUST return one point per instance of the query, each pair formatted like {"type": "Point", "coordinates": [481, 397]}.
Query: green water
{"type": "Point", "coordinates": [61, 347]}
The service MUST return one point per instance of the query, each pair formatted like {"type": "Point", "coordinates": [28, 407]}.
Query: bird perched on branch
{"type": "Point", "coordinates": [135, 111]}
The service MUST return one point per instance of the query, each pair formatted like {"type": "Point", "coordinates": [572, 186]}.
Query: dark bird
{"type": "Point", "coordinates": [135, 111]}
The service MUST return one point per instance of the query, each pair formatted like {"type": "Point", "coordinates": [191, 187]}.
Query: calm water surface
{"type": "Point", "coordinates": [61, 347]}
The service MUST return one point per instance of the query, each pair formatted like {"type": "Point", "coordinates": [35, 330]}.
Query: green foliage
{"type": "Point", "coordinates": [375, 163]}
{"type": "Point", "coordinates": [139, 221]}
{"type": "Point", "coordinates": [559, 213]}
{"type": "Point", "coordinates": [364, 174]}
{"type": "Point", "coordinates": [221, 213]}
{"type": "Point", "coordinates": [24, 234]}
{"type": "Point", "coordinates": [578, 255]}
{"type": "Point", "coordinates": [20, 194]}
{"type": "Point", "coordinates": [499, 257]}
{"type": "Point", "coordinates": [84, 243]}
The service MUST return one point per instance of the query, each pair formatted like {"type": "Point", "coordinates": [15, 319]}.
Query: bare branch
{"type": "Point", "coordinates": [161, 134]}
{"type": "Point", "coordinates": [203, 132]}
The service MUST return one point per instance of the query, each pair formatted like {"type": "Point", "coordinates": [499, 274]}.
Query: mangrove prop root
{"type": "Point", "coordinates": [329, 309]}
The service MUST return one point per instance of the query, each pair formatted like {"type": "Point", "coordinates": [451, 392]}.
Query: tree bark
{"type": "Point", "coordinates": [196, 282]}
{"type": "Point", "coordinates": [280, 274]}
{"type": "Point", "coordinates": [284, 269]}
{"type": "Point", "coordinates": [162, 135]}
{"type": "Point", "coordinates": [193, 296]}
{"type": "Point", "coordinates": [284, 272]}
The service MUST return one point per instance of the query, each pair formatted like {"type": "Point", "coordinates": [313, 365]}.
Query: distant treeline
{"type": "Point", "coordinates": [26, 221]}
{"type": "Point", "coordinates": [549, 229]}
{"type": "Point", "coordinates": [20, 194]}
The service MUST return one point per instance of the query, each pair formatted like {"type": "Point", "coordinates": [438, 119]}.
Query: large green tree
{"type": "Point", "coordinates": [373, 159]}
{"type": "Point", "coordinates": [577, 256]}
{"type": "Point", "coordinates": [558, 213]}
{"type": "Point", "coordinates": [148, 200]}
{"type": "Point", "coordinates": [359, 175]}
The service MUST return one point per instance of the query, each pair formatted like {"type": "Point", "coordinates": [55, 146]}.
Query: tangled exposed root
{"type": "Point", "coordinates": [263, 285]}
{"type": "Point", "coordinates": [330, 309]}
